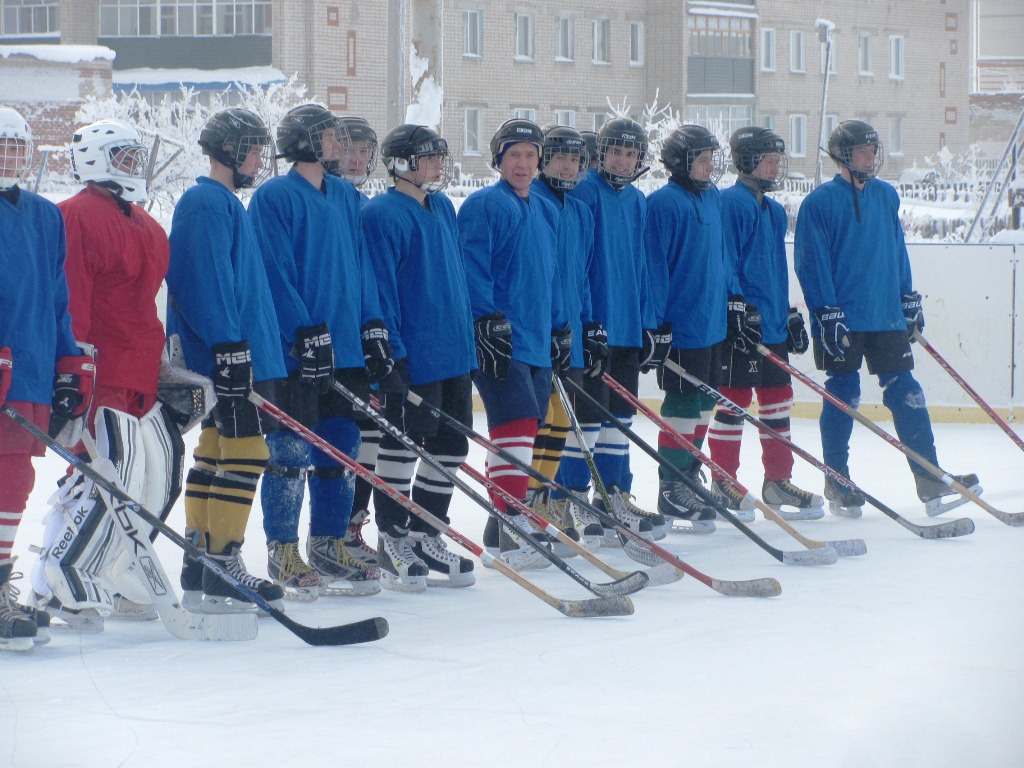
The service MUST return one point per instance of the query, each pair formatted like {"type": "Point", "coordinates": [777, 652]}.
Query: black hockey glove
{"type": "Point", "coordinates": [493, 344]}
{"type": "Point", "coordinates": [376, 351]}
{"type": "Point", "coordinates": [796, 333]}
{"type": "Point", "coordinates": [595, 349]}
{"type": "Point", "coordinates": [657, 345]}
{"type": "Point", "coordinates": [393, 390]}
{"type": "Point", "coordinates": [315, 352]}
{"type": "Point", "coordinates": [232, 381]}
{"type": "Point", "coordinates": [72, 396]}
{"type": "Point", "coordinates": [561, 349]}
{"type": "Point", "coordinates": [835, 335]}
{"type": "Point", "coordinates": [743, 329]}
{"type": "Point", "coordinates": [912, 313]}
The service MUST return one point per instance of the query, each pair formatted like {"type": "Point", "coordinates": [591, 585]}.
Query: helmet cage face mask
{"type": "Point", "coordinates": [110, 153]}
{"type": "Point", "coordinates": [237, 153]}
{"type": "Point", "coordinates": [566, 148]}
{"type": "Point", "coordinates": [355, 138]}
{"type": "Point", "coordinates": [846, 158]}
{"type": "Point", "coordinates": [717, 166]}
{"type": "Point", "coordinates": [774, 182]}
{"type": "Point", "coordinates": [300, 136]}
{"type": "Point", "coordinates": [15, 148]}
{"type": "Point", "coordinates": [615, 179]}
{"type": "Point", "coordinates": [429, 147]}
{"type": "Point", "coordinates": [847, 138]}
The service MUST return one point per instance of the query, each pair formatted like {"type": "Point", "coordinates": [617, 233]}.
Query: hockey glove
{"type": "Point", "coordinates": [493, 344]}
{"type": "Point", "coordinates": [657, 345]}
{"type": "Point", "coordinates": [561, 349]}
{"type": "Point", "coordinates": [376, 351]}
{"type": "Point", "coordinates": [595, 349]}
{"type": "Point", "coordinates": [72, 397]}
{"type": "Point", "coordinates": [393, 390]}
{"type": "Point", "coordinates": [796, 333]}
{"type": "Point", "coordinates": [232, 370]}
{"type": "Point", "coordinates": [912, 313]}
{"type": "Point", "coordinates": [6, 365]}
{"type": "Point", "coordinates": [743, 330]}
{"type": "Point", "coordinates": [315, 352]}
{"type": "Point", "coordinates": [835, 335]}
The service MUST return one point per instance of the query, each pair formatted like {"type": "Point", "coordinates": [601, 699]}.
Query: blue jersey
{"type": "Point", "coordinates": [755, 251]}
{"type": "Point", "coordinates": [216, 283]}
{"type": "Point", "coordinates": [575, 253]}
{"type": "Point", "coordinates": [421, 279]}
{"type": "Point", "coordinates": [509, 244]}
{"type": "Point", "coordinates": [860, 266]}
{"type": "Point", "coordinates": [316, 267]}
{"type": "Point", "coordinates": [687, 265]}
{"type": "Point", "coordinates": [619, 284]}
{"type": "Point", "coordinates": [34, 319]}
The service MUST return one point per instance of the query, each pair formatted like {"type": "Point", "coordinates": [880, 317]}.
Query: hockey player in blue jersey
{"type": "Point", "coordinates": [621, 302]}
{"type": "Point", "coordinates": [754, 227]}
{"type": "Point", "coordinates": [413, 241]}
{"type": "Point", "coordinates": [854, 270]}
{"type": "Point", "coordinates": [509, 244]}
{"type": "Point", "coordinates": [325, 296]}
{"type": "Point", "coordinates": [220, 307]}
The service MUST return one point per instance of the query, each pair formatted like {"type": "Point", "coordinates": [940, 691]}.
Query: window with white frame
{"type": "Point", "coordinates": [184, 18]}
{"type": "Point", "coordinates": [602, 45]}
{"type": "Point", "coordinates": [768, 121]}
{"type": "Point", "coordinates": [895, 143]}
{"type": "Point", "coordinates": [31, 17]}
{"type": "Point", "coordinates": [636, 43]}
{"type": "Point", "coordinates": [767, 50]}
{"type": "Point", "coordinates": [724, 118]}
{"type": "Point", "coordinates": [896, 49]}
{"type": "Point", "coordinates": [471, 134]}
{"type": "Point", "coordinates": [524, 37]}
{"type": "Point", "coordinates": [525, 113]}
{"type": "Point", "coordinates": [565, 117]}
{"type": "Point", "coordinates": [798, 135]}
{"type": "Point", "coordinates": [832, 69]}
{"type": "Point", "coordinates": [864, 46]}
{"type": "Point", "coordinates": [831, 123]}
{"type": "Point", "coordinates": [600, 118]}
{"type": "Point", "coordinates": [473, 33]}
{"type": "Point", "coordinates": [565, 43]}
{"type": "Point", "coordinates": [797, 61]}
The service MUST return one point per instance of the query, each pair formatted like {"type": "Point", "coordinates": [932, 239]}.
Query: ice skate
{"type": "Point", "coordinates": [354, 541]}
{"type": "Point", "coordinates": [804, 505]}
{"type": "Point", "coordinates": [491, 536]}
{"type": "Point", "coordinates": [729, 497]}
{"type": "Point", "coordinates": [220, 596]}
{"type": "Point", "coordinates": [624, 516]}
{"type": "Point", "coordinates": [841, 501]}
{"type": "Point", "coordinates": [401, 569]}
{"type": "Point", "coordinates": [625, 509]}
{"type": "Point", "coordinates": [550, 510]}
{"type": "Point", "coordinates": [931, 491]}
{"type": "Point", "coordinates": [129, 610]}
{"type": "Point", "coordinates": [581, 522]}
{"type": "Point", "coordinates": [287, 568]}
{"type": "Point", "coordinates": [341, 573]}
{"type": "Point", "coordinates": [454, 571]}
{"type": "Point", "coordinates": [19, 627]}
{"type": "Point", "coordinates": [515, 551]}
{"type": "Point", "coordinates": [685, 510]}
{"type": "Point", "coordinates": [61, 618]}
{"type": "Point", "coordinates": [192, 574]}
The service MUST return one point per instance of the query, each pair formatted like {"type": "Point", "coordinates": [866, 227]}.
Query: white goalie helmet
{"type": "Point", "coordinates": [111, 153]}
{"type": "Point", "coordinates": [15, 148]}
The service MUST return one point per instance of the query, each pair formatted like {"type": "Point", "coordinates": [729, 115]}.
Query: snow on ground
{"type": "Point", "coordinates": [908, 656]}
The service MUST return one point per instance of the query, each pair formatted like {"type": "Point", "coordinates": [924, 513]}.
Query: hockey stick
{"type": "Point", "coordinates": [1010, 518]}
{"type": "Point", "coordinates": [843, 547]}
{"type": "Point", "coordinates": [626, 586]}
{"type": "Point", "coordinates": [598, 606]}
{"type": "Point", "coordinates": [948, 529]}
{"type": "Point", "coordinates": [344, 634]}
{"type": "Point", "coordinates": [821, 556]}
{"type": "Point", "coordinates": [764, 587]}
{"type": "Point", "coordinates": [969, 390]}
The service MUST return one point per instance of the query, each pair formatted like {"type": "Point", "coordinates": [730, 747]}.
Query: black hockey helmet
{"type": "Point", "coordinates": [228, 136]}
{"type": "Point", "coordinates": [622, 132]}
{"type": "Point", "coordinates": [403, 147]}
{"type": "Point", "coordinates": [299, 134]}
{"type": "Point", "coordinates": [590, 137]}
{"type": "Point", "coordinates": [563, 140]}
{"type": "Point", "coordinates": [849, 135]}
{"type": "Point", "coordinates": [515, 131]}
{"type": "Point", "coordinates": [683, 146]}
{"type": "Point", "coordinates": [357, 131]}
{"type": "Point", "coordinates": [749, 145]}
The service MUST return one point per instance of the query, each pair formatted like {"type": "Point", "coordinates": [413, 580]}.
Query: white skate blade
{"type": "Point", "coordinates": [937, 506]}
{"type": "Point", "coordinates": [594, 543]}
{"type": "Point", "coordinates": [192, 600]}
{"type": "Point", "coordinates": [42, 636]}
{"type": "Point", "coordinates": [395, 583]}
{"type": "Point", "coordinates": [452, 581]}
{"type": "Point", "coordinates": [837, 509]}
{"type": "Point", "coordinates": [300, 594]}
{"type": "Point", "coordinates": [610, 540]}
{"type": "Point", "coordinates": [17, 644]}
{"type": "Point", "coordinates": [743, 515]}
{"type": "Point", "coordinates": [798, 513]}
{"type": "Point", "coordinates": [343, 588]}
{"type": "Point", "coordinates": [679, 525]}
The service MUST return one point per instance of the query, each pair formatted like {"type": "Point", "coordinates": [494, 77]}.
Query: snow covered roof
{"type": "Point", "coordinates": [148, 79]}
{"type": "Point", "coordinates": [68, 54]}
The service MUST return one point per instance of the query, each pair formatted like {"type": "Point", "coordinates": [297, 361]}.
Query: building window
{"type": "Point", "coordinates": [471, 137]}
{"type": "Point", "coordinates": [565, 44]}
{"type": "Point", "coordinates": [896, 48]}
{"type": "Point", "coordinates": [942, 79]}
{"type": "Point", "coordinates": [950, 115]}
{"type": "Point", "coordinates": [767, 50]}
{"type": "Point", "coordinates": [525, 114]}
{"type": "Point", "coordinates": [895, 145]}
{"type": "Point", "coordinates": [31, 17]}
{"type": "Point", "coordinates": [864, 47]}
{"type": "Point", "coordinates": [719, 36]}
{"type": "Point", "coordinates": [636, 43]}
{"type": "Point", "coordinates": [768, 121]}
{"type": "Point", "coordinates": [524, 37]}
{"type": "Point", "coordinates": [797, 62]}
{"type": "Point", "coordinates": [473, 33]}
{"type": "Point", "coordinates": [831, 123]}
{"type": "Point", "coordinates": [600, 118]}
{"type": "Point", "coordinates": [565, 117]}
{"type": "Point", "coordinates": [798, 135]}
{"type": "Point", "coordinates": [602, 53]}
{"type": "Point", "coordinates": [184, 18]}
{"type": "Point", "coordinates": [832, 59]}
{"type": "Point", "coordinates": [729, 116]}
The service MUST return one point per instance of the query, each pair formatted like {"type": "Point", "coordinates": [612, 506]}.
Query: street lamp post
{"type": "Point", "coordinates": [825, 38]}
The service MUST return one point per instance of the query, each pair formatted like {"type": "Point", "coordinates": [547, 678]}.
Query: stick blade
{"type": "Point", "coordinates": [596, 607]}
{"type": "Point", "coordinates": [666, 573]}
{"type": "Point", "coordinates": [849, 547]}
{"type": "Point", "coordinates": [634, 582]}
{"type": "Point", "coordinates": [947, 530]}
{"type": "Point", "coordinates": [365, 631]}
{"type": "Point", "coordinates": [817, 556]}
{"type": "Point", "coordinates": [209, 626]}
{"type": "Point", "coordinates": [766, 587]}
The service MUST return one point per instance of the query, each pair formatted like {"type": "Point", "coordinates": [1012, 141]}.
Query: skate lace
{"type": "Point", "coordinates": [292, 562]}
{"type": "Point", "coordinates": [401, 551]}
{"type": "Point", "coordinates": [355, 534]}
{"type": "Point", "coordinates": [435, 547]}
{"type": "Point", "coordinates": [625, 509]}
{"type": "Point", "coordinates": [727, 492]}
{"type": "Point", "coordinates": [235, 566]}
{"type": "Point", "coordinates": [9, 607]}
